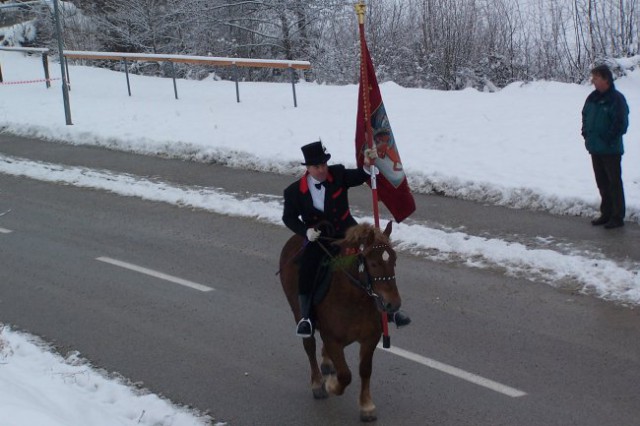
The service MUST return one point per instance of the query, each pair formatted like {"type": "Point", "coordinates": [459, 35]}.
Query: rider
{"type": "Point", "coordinates": [321, 196]}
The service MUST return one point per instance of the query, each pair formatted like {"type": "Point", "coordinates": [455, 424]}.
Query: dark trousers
{"type": "Point", "coordinates": [310, 261]}
{"type": "Point", "coordinates": [608, 173]}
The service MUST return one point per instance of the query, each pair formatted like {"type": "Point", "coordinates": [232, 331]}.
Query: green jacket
{"type": "Point", "coordinates": [605, 118]}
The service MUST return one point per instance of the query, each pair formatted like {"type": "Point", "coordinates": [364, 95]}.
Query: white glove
{"type": "Point", "coordinates": [370, 155]}
{"type": "Point", "coordinates": [313, 234]}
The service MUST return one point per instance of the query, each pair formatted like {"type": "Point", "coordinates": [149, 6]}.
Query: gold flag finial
{"type": "Point", "coordinates": [360, 7]}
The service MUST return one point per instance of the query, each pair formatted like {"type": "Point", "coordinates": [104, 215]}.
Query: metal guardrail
{"type": "Point", "coordinates": [129, 57]}
{"type": "Point", "coordinates": [41, 50]}
{"type": "Point", "coordinates": [25, 49]}
{"type": "Point", "coordinates": [199, 60]}
{"type": "Point", "coordinates": [203, 60]}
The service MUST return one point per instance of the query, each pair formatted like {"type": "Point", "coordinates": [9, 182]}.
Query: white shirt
{"type": "Point", "coordinates": [317, 195]}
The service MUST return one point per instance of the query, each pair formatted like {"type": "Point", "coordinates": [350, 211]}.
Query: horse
{"type": "Point", "coordinates": [362, 287]}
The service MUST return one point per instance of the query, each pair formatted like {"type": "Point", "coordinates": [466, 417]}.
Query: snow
{"type": "Point", "coordinates": [39, 387]}
{"type": "Point", "coordinates": [519, 147]}
{"type": "Point", "coordinates": [18, 33]}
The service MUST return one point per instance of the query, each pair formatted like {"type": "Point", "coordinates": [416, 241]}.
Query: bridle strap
{"type": "Point", "coordinates": [367, 287]}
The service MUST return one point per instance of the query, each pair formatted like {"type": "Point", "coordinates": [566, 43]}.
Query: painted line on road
{"type": "Point", "coordinates": [155, 274]}
{"type": "Point", "coordinates": [457, 372]}
{"type": "Point", "coordinates": [5, 231]}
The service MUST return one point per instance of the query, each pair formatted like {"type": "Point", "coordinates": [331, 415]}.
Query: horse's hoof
{"type": "Point", "coordinates": [321, 392]}
{"type": "Point", "coordinates": [368, 416]}
{"type": "Point", "coordinates": [327, 369]}
{"type": "Point", "coordinates": [333, 386]}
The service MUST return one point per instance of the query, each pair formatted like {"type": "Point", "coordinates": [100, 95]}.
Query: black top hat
{"type": "Point", "coordinates": [315, 153]}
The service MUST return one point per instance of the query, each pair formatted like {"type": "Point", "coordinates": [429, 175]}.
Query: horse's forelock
{"type": "Point", "coordinates": [363, 233]}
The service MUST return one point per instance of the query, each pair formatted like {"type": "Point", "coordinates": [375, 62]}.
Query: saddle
{"type": "Point", "coordinates": [322, 279]}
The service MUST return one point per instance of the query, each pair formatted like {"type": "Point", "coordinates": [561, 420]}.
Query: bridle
{"type": "Point", "coordinates": [366, 283]}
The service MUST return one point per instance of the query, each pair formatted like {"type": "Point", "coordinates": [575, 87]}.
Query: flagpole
{"type": "Point", "coordinates": [364, 85]}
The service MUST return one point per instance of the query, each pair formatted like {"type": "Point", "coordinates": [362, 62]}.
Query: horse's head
{"type": "Point", "coordinates": [376, 263]}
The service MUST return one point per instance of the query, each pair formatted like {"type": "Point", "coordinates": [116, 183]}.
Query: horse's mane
{"type": "Point", "coordinates": [364, 233]}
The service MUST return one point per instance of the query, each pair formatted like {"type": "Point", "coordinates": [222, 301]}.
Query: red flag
{"type": "Point", "coordinates": [392, 182]}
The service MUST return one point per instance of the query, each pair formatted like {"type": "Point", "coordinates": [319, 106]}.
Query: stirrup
{"type": "Point", "coordinates": [304, 328]}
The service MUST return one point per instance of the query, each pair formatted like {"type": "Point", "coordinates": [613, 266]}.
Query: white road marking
{"type": "Point", "coordinates": [155, 274]}
{"type": "Point", "coordinates": [454, 371]}
{"type": "Point", "coordinates": [5, 231]}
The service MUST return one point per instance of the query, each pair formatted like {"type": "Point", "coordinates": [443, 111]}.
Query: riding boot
{"type": "Point", "coordinates": [399, 318]}
{"type": "Point", "coordinates": [305, 328]}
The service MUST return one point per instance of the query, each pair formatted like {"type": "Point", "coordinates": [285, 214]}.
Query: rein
{"type": "Point", "coordinates": [367, 286]}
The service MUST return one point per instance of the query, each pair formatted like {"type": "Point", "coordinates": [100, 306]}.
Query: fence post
{"type": "Point", "coordinates": [235, 78]}
{"type": "Point", "coordinates": [293, 85]}
{"type": "Point", "coordinates": [66, 65]}
{"type": "Point", "coordinates": [126, 72]}
{"type": "Point", "coordinates": [173, 74]}
{"type": "Point", "coordinates": [45, 64]}
{"type": "Point", "coordinates": [63, 71]}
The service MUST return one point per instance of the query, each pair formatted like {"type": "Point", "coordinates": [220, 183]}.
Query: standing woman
{"type": "Point", "coordinates": [605, 118]}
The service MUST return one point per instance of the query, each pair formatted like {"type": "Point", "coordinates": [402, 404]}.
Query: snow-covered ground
{"type": "Point", "coordinates": [39, 388]}
{"type": "Point", "coordinates": [519, 147]}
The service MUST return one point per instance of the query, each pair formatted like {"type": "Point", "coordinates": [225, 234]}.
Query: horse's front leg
{"type": "Point", "coordinates": [317, 382]}
{"type": "Point", "coordinates": [326, 366]}
{"type": "Point", "coordinates": [367, 407]}
{"type": "Point", "coordinates": [336, 384]}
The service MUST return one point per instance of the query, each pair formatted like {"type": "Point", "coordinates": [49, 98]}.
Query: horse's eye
{"type": "Point", "coordinates": [385, 256]}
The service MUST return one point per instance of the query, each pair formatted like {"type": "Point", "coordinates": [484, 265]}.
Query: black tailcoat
{"type": "Point", "coordinates": [299, 212]}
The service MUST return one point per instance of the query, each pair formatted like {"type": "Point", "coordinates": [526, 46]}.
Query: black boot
{"type": "Point", "coordinates": [305, 328]}
{"type": "Point", "coordinates": [601, 220]}
{"type": "Point", "coordinates": [614, 223]}
{"type": "Point", "coordinates": [399, 318]}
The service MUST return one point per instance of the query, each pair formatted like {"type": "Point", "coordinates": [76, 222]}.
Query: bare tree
{"type": "Point", "coordinates": [445, 44]}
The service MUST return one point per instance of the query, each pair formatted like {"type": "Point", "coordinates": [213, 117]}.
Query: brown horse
{"type": "Point", "coordinates": [362, 287]}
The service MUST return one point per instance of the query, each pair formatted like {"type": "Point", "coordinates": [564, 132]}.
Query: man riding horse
{"type": "Point", "coordinates": [315, 206]}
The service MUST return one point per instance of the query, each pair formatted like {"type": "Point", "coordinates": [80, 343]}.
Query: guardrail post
{"type": "Point", "coordinates": [63, 71]}
{"type": "Point", "coordinates": [173, 75]}
{"type": "Point", "coordinates": [126, 73]}
{"type": "Point", "coordinates": [235, 78]}
{"type": "Point", "coordinates": [45, 65]}
{"type": "Point", "coordinates": [293, 85]}
{"type": "Point", "coordinates": [1, 80]}
{"type": "Point", "coordinates": [66, 66]}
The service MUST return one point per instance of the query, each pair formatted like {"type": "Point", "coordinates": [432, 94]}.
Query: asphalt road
{"type": "Point", "coordinates": [232, 350]}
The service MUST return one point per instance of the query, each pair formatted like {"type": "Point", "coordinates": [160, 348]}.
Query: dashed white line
{"type": "Point", "coordinates": [456, 372]}
{"type": "Point", "coordinates": [5, 231]}
{"type": "Point", "coordinates": [155, 274]}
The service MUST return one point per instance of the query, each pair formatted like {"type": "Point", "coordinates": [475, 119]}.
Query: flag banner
{"type": "Point", "coordinates": [393, 188]}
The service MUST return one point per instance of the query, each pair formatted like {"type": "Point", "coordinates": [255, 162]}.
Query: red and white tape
{"type": "Point", "coordinates": [42, 80]}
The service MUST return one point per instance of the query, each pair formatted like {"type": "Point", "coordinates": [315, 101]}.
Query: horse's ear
{"type": "Point", "coordinates": [387, 230]}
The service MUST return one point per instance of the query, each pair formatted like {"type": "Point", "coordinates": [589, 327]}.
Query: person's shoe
{"type": "Point", "coordinates": [399, 318]}
{"type": "Point", "coordinates": [304, 328]}
{"type": "Point", "coordinates": [614, 223]}
{"type": "Point", "coordinates": [600, 221]}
